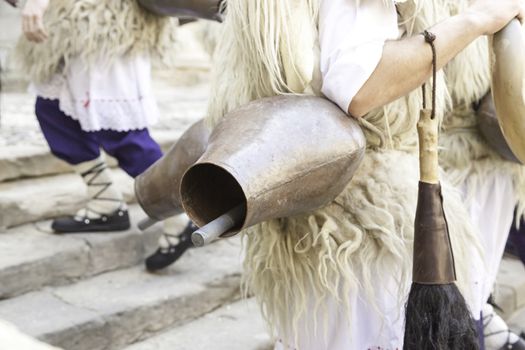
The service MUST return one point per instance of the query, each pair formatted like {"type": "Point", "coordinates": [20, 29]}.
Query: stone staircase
{"type": "Point", "coordinates": [91, 291]}
{"type": "Point", "coordinates": [212, 329]}
{"type": "Point", "coordinates": [119, 307]}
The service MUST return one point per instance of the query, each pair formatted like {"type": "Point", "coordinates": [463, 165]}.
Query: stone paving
{"type": "Point", "coordinates": [116, 308]}
{"type": "Point", "coordinates": [226, 322]}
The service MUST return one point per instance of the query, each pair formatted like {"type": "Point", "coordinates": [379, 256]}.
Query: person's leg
{"type": "Point", "coordinates": [497, 333]}
{"type": "Point", "coordinates": [172, 243]}
{"type": "Point", "coordinates": [136, 151]}
{"type": "Point", "coordinates": [492, 212]}
{"type": "Point", "coordinates": [63, 134]}
{"type": "Point", "coordinates": [491, 209]}
{"type": "Point", "coordinates": [105, 210]}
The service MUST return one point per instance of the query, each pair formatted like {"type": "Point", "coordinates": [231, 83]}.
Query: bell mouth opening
{"type": "Point", "coordinates": [209, 191]}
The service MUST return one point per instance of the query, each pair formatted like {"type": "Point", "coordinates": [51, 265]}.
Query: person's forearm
{"type": "Point", "coordinates": [407, 63]}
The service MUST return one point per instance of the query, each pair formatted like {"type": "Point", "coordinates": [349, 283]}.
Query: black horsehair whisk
{"type": "Point", "coordinates": [437, 315]}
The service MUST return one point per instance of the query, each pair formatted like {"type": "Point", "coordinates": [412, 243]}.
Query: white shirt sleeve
{"type": "Point", "coordinates": [352, 38]}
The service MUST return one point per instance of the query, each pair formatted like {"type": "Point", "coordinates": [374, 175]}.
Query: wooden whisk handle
{"type": "Point", "coordinates": [427, 129]}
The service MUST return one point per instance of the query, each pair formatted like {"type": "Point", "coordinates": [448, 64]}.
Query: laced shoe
{"type": "Point", "coordinates": [497, 334]}
{"type": "Point", "coordinates": [105, 210]}
{"type": "Point", "coordinates": [171, 248]}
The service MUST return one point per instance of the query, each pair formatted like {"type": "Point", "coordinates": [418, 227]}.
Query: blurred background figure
{"type": "Point", "coordinates": [89, 64]}
{"type": "Point", "coordinates": [90, 67]}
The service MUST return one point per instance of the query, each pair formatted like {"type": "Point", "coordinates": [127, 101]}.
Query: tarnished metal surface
{"type": "Point", "coordinates": [490, 130]}
{"type": "Point", "coordinates": [157, 189]}
{"type": "Point", "coordinates": [279, 156]}
{"type": "Point", "coordinates": [207, 9]}
{"type": "Point", "coordinates": [433, 259]}
{"type": "Point", "coordinates": [508, 74]}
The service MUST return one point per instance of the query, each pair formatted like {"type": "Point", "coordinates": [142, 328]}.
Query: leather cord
{"type": "Point", "coordinates": [430, 38]}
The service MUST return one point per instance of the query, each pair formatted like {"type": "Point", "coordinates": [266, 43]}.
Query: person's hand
{"type": "Point", "coordinates": [493, 15]}
{"type": "Point", "coordinates": [33, 20]}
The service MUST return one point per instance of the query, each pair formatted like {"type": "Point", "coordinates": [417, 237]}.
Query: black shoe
{"type": "Point", "coordinates": [164, 257]}
{"type": "Point", "coordinates": [117, 221]}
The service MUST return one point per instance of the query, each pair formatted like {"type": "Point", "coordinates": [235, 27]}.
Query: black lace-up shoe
{"type": "Point", "coordinates": [164, 257]}
{"type": "Point", "coordinates": [117, 221]}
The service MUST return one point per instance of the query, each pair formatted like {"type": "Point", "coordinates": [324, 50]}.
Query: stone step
{"type": "Point", "coordinates": [509, 292]}
{"type": "Point", "coordinates": [238, 326]}
{"type": "Point", "coordinates": [516, 321]}
{"type": "Point", "coordinates": [36, 199]}
{"type": "Point", "coordinates": [12, 339]}
{"type": "Point", "coordinates": [32, 257]}
{"type": "Point", "coordinates": [118, 308]}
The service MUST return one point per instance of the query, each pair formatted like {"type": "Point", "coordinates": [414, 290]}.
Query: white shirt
{"type": "Point", "coordinates": [352, 38]}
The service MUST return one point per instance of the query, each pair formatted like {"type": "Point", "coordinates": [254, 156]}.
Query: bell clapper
{"type": "Point", "coordinates": [212, 231]}
{"type": "Point", "coordinates": [146, 223]}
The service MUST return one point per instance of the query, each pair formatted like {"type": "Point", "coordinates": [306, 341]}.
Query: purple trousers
{"type": "Point", "coordinates": [134, 150]}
